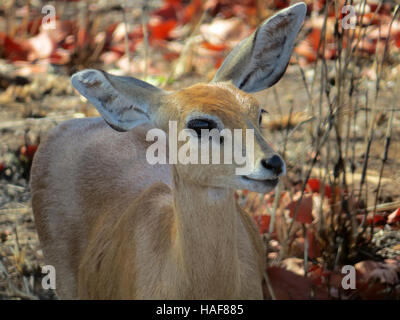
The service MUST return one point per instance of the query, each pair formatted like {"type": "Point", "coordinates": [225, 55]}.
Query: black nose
{"type": "Point", "coordinates": [275, 164]}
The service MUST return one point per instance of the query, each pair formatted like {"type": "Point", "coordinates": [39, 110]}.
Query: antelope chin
{"type": "Point", "coordinates": [259, 185]}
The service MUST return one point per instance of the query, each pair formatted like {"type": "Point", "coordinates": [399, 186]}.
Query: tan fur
{"type": "Point", "coordinates": [116, 227]}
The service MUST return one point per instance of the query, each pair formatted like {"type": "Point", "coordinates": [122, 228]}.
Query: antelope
{"type": "Point", "coordinates": [116, 227]}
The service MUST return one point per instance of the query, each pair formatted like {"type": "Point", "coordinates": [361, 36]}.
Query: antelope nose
{"type": "Point", "coordinates": [275, 164]}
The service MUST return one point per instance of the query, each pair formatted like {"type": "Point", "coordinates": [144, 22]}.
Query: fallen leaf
{"type": "Point", "coordinates": [214, 47]}
{"type": "Point", "coordinates": [295, 265]}
{"type": "Point", "coordinates": [394, 217]}
{"type": "Point", "coordinates": [161, 30]}
{"type": "Point", "coordinates": [28, 151]}
{"type": "Point", "coordinates": [381, 272]}
{"type": "Point", "coordinates": [223, 30]}
{"type": "Point", "coordinates": [191, 9]}
{"type": "Point", "coordinates": [263, 222]}
{"type": "Point", "coordinates": [13, 49]}
{"type": "Point", "coordinates": [288, 285]}
{"type": "Point", "coordinates": [304, 211]}
{"type": "Point", "coordinates": [314, 249]}
{"type": "Point", "coordinates": [314, 185]}
{"type": "Point", "coordinates": [42, 46]}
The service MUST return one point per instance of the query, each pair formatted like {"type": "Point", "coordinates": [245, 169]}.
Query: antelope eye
{"type": "Point", "coordinates": [260, 116]}
{"type": "Point", "coordinates": [199, 124]}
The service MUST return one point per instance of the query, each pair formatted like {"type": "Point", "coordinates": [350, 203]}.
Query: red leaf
{"type": "Point", "coordinates": [167, 12]}
{"type": "Point", "coordinates": [28, 151]}
{"type": "Point", "coordinates": [161, 31]}
{"type": "Point", "coordinates": [394, 217]}
{"type": "Point", "coordinates": [367, 46]}
{"type": "Point", "coordinates": [32, 27]}
{"type": "Point", "coordinates": [316, 274]}
{"type": "Point", "coordinates": [314, 184]}
{"type": "Point", "coordinates": [378, 220]}
{"type": "Point", "coordinates": [119, 49]}
{"type": "Point", "coordinates": [170, 56]}
{"type": "Point", "coordinates": [82, 38]}
{"type": "Point", "coordinates": [214, 47]}
{"type": "Point", "coordinates": [12, 49]}
{"type": "Point", "coordinates": [369, 18]}
{"type": "Point", "coordinates": [314, 249]}
{"type": "Point", "coordinates": [60, 56]}
{"type": "Point", "coordinates": [263, 222]}
{"type": "Point", "coordinates": [304, 49]}
{"type": "Point", "coordinates": [31, 150]}
{"type": "Point", "coordinates": [322, 277]}
{"type": "Point", "coordinates": [218, 62]}
{"type": "Point", "coordinates": [376, 275]}
{"type": "Point", "coordinates": [304, 211]}
{"type": "Point", "coordinates": [314, 38]}
{"type": "Point", "coordinates": [173, 2]}
{"type": "Point", "coordinates": [191, 9]}
{"type": "Point", "coordinates": [281, 4]}
{"type": "Point", "coordinates": [287, 285]}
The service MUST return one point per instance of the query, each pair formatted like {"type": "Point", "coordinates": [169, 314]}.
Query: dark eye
{"type": "Point", "coordinates": [199, 124]}
{"type": "Point", "coordinates": [261, 114]}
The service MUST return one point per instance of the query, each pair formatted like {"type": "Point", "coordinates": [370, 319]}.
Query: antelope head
{"type": "Point", "coordinates": [224, 104]}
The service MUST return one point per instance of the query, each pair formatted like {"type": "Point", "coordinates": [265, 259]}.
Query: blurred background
{"type": "Point", "coordinates": [334, 116]}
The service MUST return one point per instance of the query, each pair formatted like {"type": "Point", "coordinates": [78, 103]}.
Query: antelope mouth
{"type": "Point", "coordinates": [267, 182]}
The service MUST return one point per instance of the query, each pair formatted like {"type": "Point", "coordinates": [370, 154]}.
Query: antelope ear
{"type": "Point", "coordinates": [124, 102]}
{"type": "Point", "coordinates": [260, 60]}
